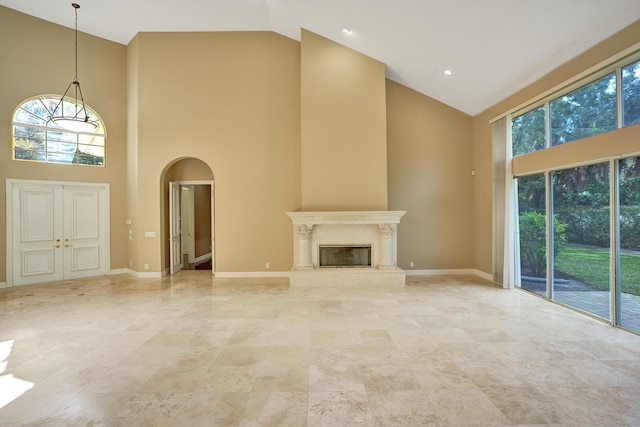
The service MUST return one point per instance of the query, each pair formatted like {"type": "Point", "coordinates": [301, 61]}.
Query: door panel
{"type": "Point", "coordinates": [175, 246]}
{"type": "Point", "coordinates": [85, 258]}
{"type": "Point", "coordinates": [37, 225]}
{"type": "Point", "coordinates": [37, 262]}
{"type": "Point", "coordinates": [83, 236]}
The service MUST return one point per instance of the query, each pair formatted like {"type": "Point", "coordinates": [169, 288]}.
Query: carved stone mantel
{"type": "Point", "coordinates": [346, 217]}
{"type": "Point", "coordinates": [377, 228]}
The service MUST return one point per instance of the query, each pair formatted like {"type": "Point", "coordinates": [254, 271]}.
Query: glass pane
{"type": "Point", "coordinates": [21, 153]}
{"type": "Point", "coordinates": [59, 158]}
{"type": "Point", "coordinates": [62, 147]}
{"type": "Point", "coordinates": [582, 249]}
{"type": "Point", "coordinates": [528, 132]}
{"type": "Point", "coordinates": [29, 144]}
{"type": "Point", "coordinates": [24, 116]}
{"type": "Point", "coordinates": [56, 135]}
{"type": "Point", "coordinates": [40, 108]}
{"type": "Point", "coordinates": [91, 150]}
{"type": "Point", "coordinates": [587, 111]}
{"type": "Point", "coordinates": [631, 94]}
{"type": "Point", "coordinates": [91, 140]}
{"type": "Point", "coordinates": [532, 233]}
{"type": "Point", "coordinates": [28, 132]}
{"type": "Point", "coordinates": [629, 303]}
{"type": "Point", "coordinates": [87, 159]}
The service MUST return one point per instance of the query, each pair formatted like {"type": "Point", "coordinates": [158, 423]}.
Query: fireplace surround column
{"type": "Point", "coordinates": [304, 238]}
{"type": "Point", "coordinates": [386, 245]}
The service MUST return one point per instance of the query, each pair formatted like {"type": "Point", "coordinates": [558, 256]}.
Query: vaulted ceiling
{"type": "Point", "coordinates": [492, 47]}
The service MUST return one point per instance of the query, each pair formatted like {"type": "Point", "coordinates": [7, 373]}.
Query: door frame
{"type": "Point", "coordinates": [10, 182]}
{"type": "Point", "coordinates": [213, 222]}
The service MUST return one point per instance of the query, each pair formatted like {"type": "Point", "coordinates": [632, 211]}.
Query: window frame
{"type": "Point", "coordinates": [613, 68]}
{"type": "Point", "coordinates": [47, 128]}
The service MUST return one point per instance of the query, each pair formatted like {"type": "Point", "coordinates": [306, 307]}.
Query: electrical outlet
{"type": "Point", "coordinates": [411, 264]}
{"type": "Point", "coordinates": [146, 266]}
{"type": "Point", "coordinates": [266, 265]}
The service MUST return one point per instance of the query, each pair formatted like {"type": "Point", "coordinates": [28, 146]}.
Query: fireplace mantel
{"type": "Point", "coordinates": [346, 217]}
{"type": "Point", "coordinates": [375, 228]}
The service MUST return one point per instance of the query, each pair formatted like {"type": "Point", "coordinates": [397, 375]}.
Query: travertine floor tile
{"type": "Point", "coordinates": [191, 350]}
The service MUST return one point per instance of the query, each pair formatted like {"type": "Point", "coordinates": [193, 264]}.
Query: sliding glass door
{"type": "Point", "coordinates": [628, 304]}
{"type": "Point", "coordinates": [579, 238]}
{"type": "Point", "coordinates": [582, 238]}
{"type": "Point", "coordinates": [532, 234]}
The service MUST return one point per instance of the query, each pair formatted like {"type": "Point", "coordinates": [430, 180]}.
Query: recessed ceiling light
{"type": "Point", "coordinates": [345, 29]}
{"type": "Point", "coordinates": [447, 72]}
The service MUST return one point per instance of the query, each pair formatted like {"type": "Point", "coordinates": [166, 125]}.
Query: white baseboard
{"type": "Point", "coordinates": [258, 274]}
{"type": "Point", "coordinates": [3, 285]}
{"type": "Point", "coordinates": [452, 272]}
{"type": "Point", "coordinates": [140, 274]}
{"type": "Point", "coordinates": [484, 275]}
{"type": "Point", "coordinates": [250, 274]}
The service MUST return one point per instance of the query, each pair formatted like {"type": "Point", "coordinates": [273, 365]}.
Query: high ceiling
{"type": "Point", "coordinates": [493, 47]}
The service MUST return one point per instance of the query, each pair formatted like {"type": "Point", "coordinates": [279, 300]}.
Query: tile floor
{"type": "Point", "coordinates": [191, 350]}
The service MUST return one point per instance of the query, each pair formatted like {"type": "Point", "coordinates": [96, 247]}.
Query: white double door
{"type": "Point", "coordinates": [60, 231]}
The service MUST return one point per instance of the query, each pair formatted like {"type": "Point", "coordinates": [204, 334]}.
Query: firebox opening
{"type": "Point", "coordinates": [340, 256]}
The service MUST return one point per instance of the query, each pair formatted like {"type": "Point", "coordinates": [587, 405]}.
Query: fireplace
{"type": "Point", "coordinates": [351, 256]}
{"type": "Point", "coordinates": [370, 237]}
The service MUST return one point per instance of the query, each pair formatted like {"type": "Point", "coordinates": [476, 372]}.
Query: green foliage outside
{"type": "Point", "coordinates": [581, 195]}
{"type": "Point", "coordinates": [28, 149]}
{"type": "Point", "coordinates": [587, 111]}
{"type": "Point", "coordinates": [81, 158]}
{"type": "Point", "coordinates": [590, 226]}
{"type": "Point", "coordinates": [591, 266]}
{"type": "Point", "coordinates": [533, 249]}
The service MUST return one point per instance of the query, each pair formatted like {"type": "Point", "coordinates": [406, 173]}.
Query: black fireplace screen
{"type": "Point", "coordinates": [345, 256]}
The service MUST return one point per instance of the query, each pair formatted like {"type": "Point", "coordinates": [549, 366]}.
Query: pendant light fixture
{"type": "Point", "coordinates": [73, 115]}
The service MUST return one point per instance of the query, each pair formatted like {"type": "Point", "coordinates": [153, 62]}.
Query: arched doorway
{"type": "Point", "coordinates": [188, 240]}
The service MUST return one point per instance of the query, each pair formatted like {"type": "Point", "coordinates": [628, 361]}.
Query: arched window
{"type": "Point", "coordinates": [37, 138]}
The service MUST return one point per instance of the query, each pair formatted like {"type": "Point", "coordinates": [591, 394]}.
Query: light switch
{"type": "Point", "coordinates": [149, 234]}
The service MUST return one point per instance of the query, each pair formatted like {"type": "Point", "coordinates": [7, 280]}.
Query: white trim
{"type": "Point", "coordinates": [143, 274]}
{"type": "Point", "coordinates": [450, 272]}
{"type": "Point", "coordinates": [435, 272]}
{"type": "Point", "coordinates": [251, 274]}
{"type": "Point", "coordinates": [3, 285]}
{"type": "Point", "coordinates": [612, 62]}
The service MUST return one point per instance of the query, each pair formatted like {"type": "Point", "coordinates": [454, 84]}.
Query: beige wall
{"type": "Point", "coordinates": [344, 154]}
{"type": "Point", "coordinates": [37, 60]}
{"type": "Point", "coordinates": [598, 147]}
{"type": "Point", "coordinates": [430, 156]}
{"type": "Point", "coordinates": [239, 103]}
{"type": "Point", "coordinates": [231, 100]}
{"type": "Point", "coordinates": [133, 77]}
